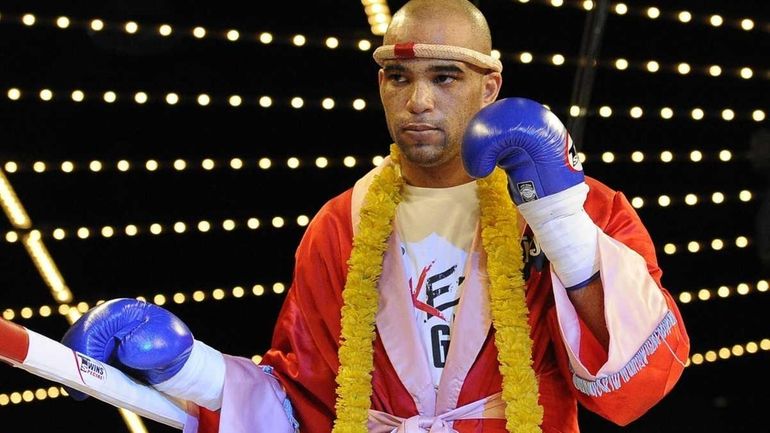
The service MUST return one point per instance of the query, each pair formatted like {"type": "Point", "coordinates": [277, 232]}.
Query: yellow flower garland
{"type": "Point", "coordinates": [507, 302]}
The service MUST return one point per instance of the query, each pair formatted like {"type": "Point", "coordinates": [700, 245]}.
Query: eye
{"type": "Point", "coordinates": [396, 78]}
{"type": "Point", "coordinates": [444, 79]}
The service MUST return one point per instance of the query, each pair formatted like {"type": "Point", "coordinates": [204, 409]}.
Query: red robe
{"type": "Point", "coordinates": [305, 342]}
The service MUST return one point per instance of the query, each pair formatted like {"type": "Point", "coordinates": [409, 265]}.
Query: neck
{"type": "Point", "coordinates": [445, 175]}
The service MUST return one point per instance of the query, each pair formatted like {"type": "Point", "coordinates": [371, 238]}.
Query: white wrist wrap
{"type": "Point", "coordinates": [565, 233]}
{"type": "Point", "coordinates": [201, 379]}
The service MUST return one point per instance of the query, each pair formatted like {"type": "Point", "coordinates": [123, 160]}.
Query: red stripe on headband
{"type": "Point", "coordinates": [404, 51]}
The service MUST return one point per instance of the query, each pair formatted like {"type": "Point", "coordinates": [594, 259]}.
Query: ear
{"type": "Point", "coordinates": [380, 77]}
{"type": "Point", "coordinates": [492, 83]}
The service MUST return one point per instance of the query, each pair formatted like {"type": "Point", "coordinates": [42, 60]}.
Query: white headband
{"type": "Point", "coordinates": [410, 50]}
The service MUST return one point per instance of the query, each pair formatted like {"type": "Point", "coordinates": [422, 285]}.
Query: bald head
{"type": "Point", "coordinates": [442, 22]}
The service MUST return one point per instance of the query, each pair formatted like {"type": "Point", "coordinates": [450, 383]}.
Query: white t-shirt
{"type": "Point", "coordinates": [437, 227]}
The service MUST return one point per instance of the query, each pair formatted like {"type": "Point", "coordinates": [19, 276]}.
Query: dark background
{"type": "Point", "coordinates": [722, 396]}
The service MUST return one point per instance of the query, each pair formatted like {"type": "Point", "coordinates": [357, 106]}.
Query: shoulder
{"type": "Point", "coordinates": [605, 204]}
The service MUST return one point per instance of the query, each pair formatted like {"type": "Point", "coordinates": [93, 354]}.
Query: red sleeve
{"type": "Point", "coordinates": [306, 335]}
{"type": "Point", "coordinates": [652, 380]}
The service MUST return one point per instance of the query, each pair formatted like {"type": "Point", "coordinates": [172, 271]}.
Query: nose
{"type": "Point", "coordinates": [421, 98]}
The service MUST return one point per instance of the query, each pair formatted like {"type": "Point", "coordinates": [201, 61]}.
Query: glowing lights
{"type": "Point", "coordinates": [653, 13]}
{"type": "Point", "coordinates": [332, 42]}
{"type": "Point", "coordinates": [741, 242]}
{"type": "Point", "coordinates": [298, 40]}
{"type": "Point", "coordinates": [684, 16]}
{"type": "Point", "coordinates": [172, 98]}
{"type": "Point", "coordinates": [747, 24]}
{"type": "Point", "coordinates": [378, 15]}
{"type": "Point", "coordinates": [717, 198]}
{"type": "Point", "coordinates": [95, 166]}
{"type": "Point", "coordinates": [683, 68]}
{"type": "Point", "coordinates": [199, 32]}
{"type": "Point", "coordinates": [233, 35]}
{"type": "Point", "coordinates": [203, 99]}
{"type": "Point", "coordinates": [758, 115]}
{"type": "Point", "coordinates": [97, 25]}
{"type": "Point", "coordinates": [151, 165]}
{"type": "Point", "coordinates": [605, 111]}
{"type": "Point", "coordinates": [46, 95]}
{"type": "Point", "coordinates": [364, 45]}
{"type": "Point", "coordinates": [140, 97]}
{"type": "Point", "coordinates": [110, 97]}
{"type": "Point", "coordinates": [666, 113]}
{"type": "Point", "coordinates": [14, 94]}
{"type": "Point", "coordinates": [745, 196]}
{"type": "Point", "coordinates": [327, 103]}
{"type": "Point", "coordinates": [265, 38]}
{"type": "Point", "coordinates": [235, 100]}
{"type": "Point", "coordinates": [557, 59]}
{"type": "Point", "coordinates": [696, 156]}
{"type": "Point", "coordinates": [77, 95]}
{"type": "Point", "coordinates": [636, 112]}
{"type": "Point", "coordinates": [728, 114]}
{"type": "Point", "coordinates": [526, 57]}
{"type": "Point", "coordinates": [297, 102]}
{"type": "Point", "coordinates": [359, 104]}
{"type": "Point", "coordinates": [608, 157]}
{"type": "Point", "coordinates": [746, 73]}
{"type": "Point", "coordinates": [666, 156]}
{"type": "Point", "coordinates": [62, 22]}
{"type": "Point", "coordinates": [725, 155]}
{"type": "Point", "coordinates": [697, 114]}
{"type": "Point", "coordinates": [621, 9]}
{"type": "Point", "coordinates": [28, 19]}
{"type": "Point", "coordinates": [131, 27]}
{"type": "Point", "coordinates": [265, 101]}
{"type": "Point", "coordinates": [716, 20]}
{"type": "Point", "coordinates": [165, 30]}
{"type": "Point", "coordinates": [653, 66]}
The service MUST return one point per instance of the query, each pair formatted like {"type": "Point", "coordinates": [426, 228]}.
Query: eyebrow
{"type": "Point", "coordinates": [446, 68]}
{"type": "Point", "coordinates": [436, 68]}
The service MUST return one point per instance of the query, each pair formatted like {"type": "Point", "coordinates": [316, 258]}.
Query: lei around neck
{"type": "Point", "coordinates": [499, 233]}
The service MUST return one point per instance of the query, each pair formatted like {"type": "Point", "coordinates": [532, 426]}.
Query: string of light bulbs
{"type": "Point", "coordinates": [132, 230]}
{"type": "Point", "coordinates": [319, 162]}
{"type": "Point", "coordinates": [161, 299]}
{"type": "Point", "coordinates": [651, 66]}
{"type": "Point", "coordinates": [46, 95]}
{"type": "Point", "coordinates": [280, 222]}
{"type": "Point", "coordinates": [204, 226]}
{"type": "Point", "coordinates": [722, 292]}
{"type": "Point", "coordinates": [684, 17]}
{"type": "Point", "coordinates": [279, 288]}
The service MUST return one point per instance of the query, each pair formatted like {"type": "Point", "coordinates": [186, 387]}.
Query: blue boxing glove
{"type": "Point", "coordinates": [545, 178]}
{"type": "Point", "coordinates": [150, 343]}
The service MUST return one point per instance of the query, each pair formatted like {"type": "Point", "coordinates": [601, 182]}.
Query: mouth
{"type": "Point", "coordinates": [419, 127]}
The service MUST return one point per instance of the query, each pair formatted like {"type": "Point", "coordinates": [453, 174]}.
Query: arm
{"type": "Point", "coordinates": [155, 346]}
{"type": "Point", "coordinates": [647, 340]}
{"type": "Point", "coordinates": [611, 314]}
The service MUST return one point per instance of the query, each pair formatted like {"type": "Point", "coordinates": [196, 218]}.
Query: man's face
{"type": "Point", "coordinates": [428, 104]}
